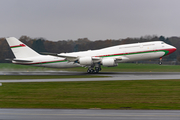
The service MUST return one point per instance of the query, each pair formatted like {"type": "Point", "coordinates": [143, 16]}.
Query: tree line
{"type": "Point", "coordinates": [82, 44]}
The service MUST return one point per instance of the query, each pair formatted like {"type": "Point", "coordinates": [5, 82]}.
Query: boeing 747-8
{"type": "Point", "coordinates": [93, 59]}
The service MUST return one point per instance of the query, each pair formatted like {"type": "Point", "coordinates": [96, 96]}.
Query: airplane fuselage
{"type": "Point", "coordinates": [119, 53]}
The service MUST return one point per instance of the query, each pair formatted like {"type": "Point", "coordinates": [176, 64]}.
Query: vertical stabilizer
{"type": "Point", "coordinates": [19, 49]}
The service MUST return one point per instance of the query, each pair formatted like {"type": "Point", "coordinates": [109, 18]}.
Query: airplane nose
{"type": "Point", "coordinates": [173, 49]}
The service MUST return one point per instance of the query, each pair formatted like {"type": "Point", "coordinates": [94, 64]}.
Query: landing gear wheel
{"type": "Point", "coordinates": [160, 63]}
{"type": "Point", "coordinates": [97, 69]}
{"type": "Point", "coordinates": [90, 71]}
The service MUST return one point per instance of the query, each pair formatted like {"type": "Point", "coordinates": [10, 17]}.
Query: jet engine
{"type": "Point", "coordinates": [109, 62]}
{"type": "Point", "coordinates": [85, 61]}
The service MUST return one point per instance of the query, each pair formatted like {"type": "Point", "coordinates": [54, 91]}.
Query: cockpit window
{"type": "Point", "coordinates": [162, 42]}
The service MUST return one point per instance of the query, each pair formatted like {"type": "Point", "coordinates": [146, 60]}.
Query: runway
{"type": "Point", "coordinates": [83, 114]}
{"type": "Point", "coordinates": [91, 114]}
{"type": "Point", "coordinates": [110, 76]}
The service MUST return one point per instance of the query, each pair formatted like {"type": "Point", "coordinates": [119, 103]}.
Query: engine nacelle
{"type": "Point", "coordinates": [109, 62]}
{"type": "Point", "coordinates": [85, 61]}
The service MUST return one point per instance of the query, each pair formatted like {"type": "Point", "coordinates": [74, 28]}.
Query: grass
{"type": "Point", "coordinates": [122, 67]}
{"type": "Point", "coordinates": [16, 67]}
{"type": "Point", "coordinates": [147, 94]}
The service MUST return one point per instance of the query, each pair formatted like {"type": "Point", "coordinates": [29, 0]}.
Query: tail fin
{"type": "Point", "coordinates": [19, 49]}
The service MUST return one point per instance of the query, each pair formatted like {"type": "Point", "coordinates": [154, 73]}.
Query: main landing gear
{"type": "Point", "coordinates": [96, 70]}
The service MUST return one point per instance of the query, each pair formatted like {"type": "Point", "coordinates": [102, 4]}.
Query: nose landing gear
{"type": "Point", "coordinates": [160, 61]}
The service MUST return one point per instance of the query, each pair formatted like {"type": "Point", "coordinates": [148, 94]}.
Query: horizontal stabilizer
{"type": "Point", "coordinates": [8, 59]}
{"type": "Point", "coordinates": [19, 60]}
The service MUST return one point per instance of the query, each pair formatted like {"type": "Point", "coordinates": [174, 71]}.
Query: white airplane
{"type": "Point", "coordinates": [108, 57]}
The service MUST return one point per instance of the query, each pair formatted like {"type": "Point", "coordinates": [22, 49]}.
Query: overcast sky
{"type": "Point", "coordinates": [94, 19]}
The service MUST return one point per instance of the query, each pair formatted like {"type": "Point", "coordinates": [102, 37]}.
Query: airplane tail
{"type": "Point", "coordinates": [19, 49]}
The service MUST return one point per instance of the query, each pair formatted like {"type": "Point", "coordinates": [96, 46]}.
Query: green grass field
{"type": "Point", "coordinates": [155, 94]}
{"type": "Point", "coordinates": [142, 94]}
{"type": "Point", "coordinates": [122, 67]}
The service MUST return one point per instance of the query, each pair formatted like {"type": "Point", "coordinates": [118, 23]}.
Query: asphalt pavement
{"type": "Point", "coordinates": [87, 114]}
{"type": "Point", "coordinates": [111, 76]}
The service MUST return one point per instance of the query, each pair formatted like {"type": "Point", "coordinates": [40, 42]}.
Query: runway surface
{"type": "Point", "coordinates": [78, 114]}
{"type": "Point", "coordinates": [71, 114]}
{"type": "Point", "coordinates": [111, 76]}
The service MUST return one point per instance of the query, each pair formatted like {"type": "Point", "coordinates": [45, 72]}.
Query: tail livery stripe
{"type": "Point", "coordinates": [21, 45]}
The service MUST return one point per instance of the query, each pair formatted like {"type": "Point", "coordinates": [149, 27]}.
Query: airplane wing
{"type": "Point", "coordinates": [47, 53]}
{"type": "Point", "coordinates": [68, 57]}
{"type": "Point", "coordinates": [71, 58]}
{"type": "Point", "coordinates": [96, 59]}
{"type": "Point", "coordinates": [63, 55]}
{"type": "Point", "coordinates": [118, 59]}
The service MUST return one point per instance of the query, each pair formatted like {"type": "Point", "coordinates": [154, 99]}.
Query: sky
{"type": "Point", "coordinates": [93, 19]}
